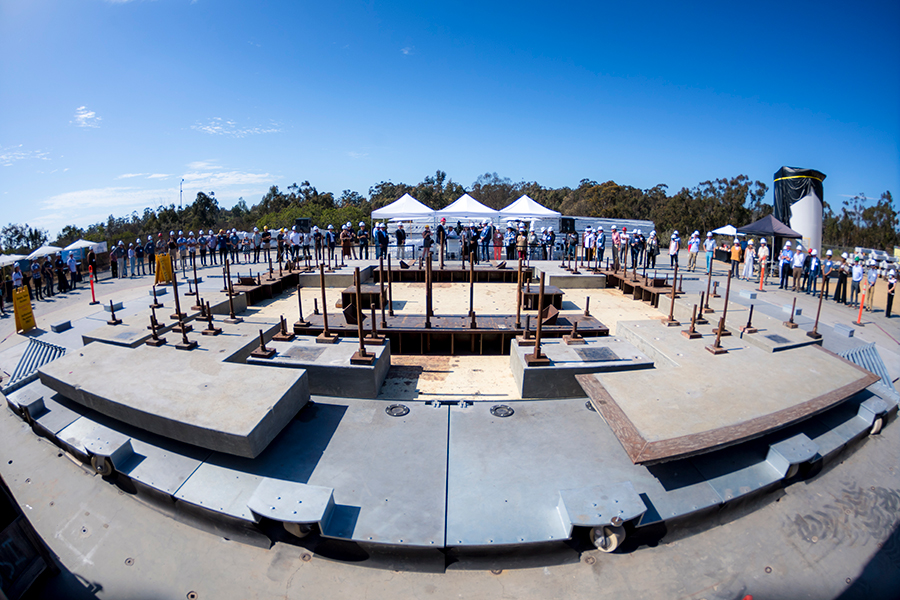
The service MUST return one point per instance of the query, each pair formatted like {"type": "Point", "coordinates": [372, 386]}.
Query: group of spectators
{"type": "Point", "coordinates": [52, 276]}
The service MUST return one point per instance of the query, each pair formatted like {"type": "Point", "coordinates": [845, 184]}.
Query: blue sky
{"type": "Point", "coordinates": [106, 106]}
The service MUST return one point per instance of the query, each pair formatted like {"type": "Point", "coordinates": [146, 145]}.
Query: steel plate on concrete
{"type": "Point", "coordinates": [596, 354]}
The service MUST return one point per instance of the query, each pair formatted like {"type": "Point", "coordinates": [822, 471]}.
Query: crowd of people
{"type": "Point", "coordinates": [799, 269]}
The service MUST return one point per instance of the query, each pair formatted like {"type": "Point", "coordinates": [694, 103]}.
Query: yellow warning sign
{"type": "Point", "coordinates": [163, 268]}
{"type": "Point", "coordinates": [22, 308]}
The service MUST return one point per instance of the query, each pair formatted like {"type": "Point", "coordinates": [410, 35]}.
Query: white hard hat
{"type": "Point", "coordinates": [331, 227]}
{"type": "Point", "coordinates": [828, 253]}
{"type": "Point", "coordinates": [171, 233]}
{"type": "Point", "coordinates": [737, 241]}
{"type": "Point", "coordinates": [361, 224]}
{"type": "Point", "coordinates": [814, 252]}
{"type": "Point", "coordinates": [844, 255]}
{"type": "Point", "coordinates": [613, 227]}
{"type": "Point", "coordinates": [180, 232]}
{"type": "Point", "coordinates": [294, 228]}
{"type": "Point", "coordinates": [891, 273]}
{"type": "Point", "coordinates": [787, 244]}
{"type": "Point", "coordinates": [676, 232]}
{"type": "Point", "coordinates": [551, 228]}
{"type": "Point", "coordinates": [762, 241]}
{"type": "Point", "coordinates": [257, 229]}
{"type": "Point", "coordinates": [191, 233]}
{"type": "Point", "coordinates": [696, 232]}
{"type": "Point", "coordinates": [749, 242]}
{"type": "Point", "coordinates": [708, 234]}
{"type": "Point", "coordinates": [543, 229]}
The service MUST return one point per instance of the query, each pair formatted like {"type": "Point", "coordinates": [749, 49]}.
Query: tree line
{"type": "Point", "coordinates": [706, 206]}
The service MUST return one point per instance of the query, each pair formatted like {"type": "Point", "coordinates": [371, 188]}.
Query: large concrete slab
{"type": "Point", "coordinates": [328, 366]}
{"type": "Point", "coordinates": [557, 380]}
{"type": "Point", "coordinates": [193, 397]}
{"type": "Point", "coordinates": [688, 407]}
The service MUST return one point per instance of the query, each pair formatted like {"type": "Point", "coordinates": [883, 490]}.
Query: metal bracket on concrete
{"type": "Point", "coordinates": [117, 449]}
{"type": "Point", "coordinates": [599, 505]}
{"type": "Point", "coordinates": [787, 455]}
{"type": "Point", "coordinates": [292, 502]}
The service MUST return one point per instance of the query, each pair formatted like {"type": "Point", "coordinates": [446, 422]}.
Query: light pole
{"type": "Point", "coordinates": [181, 194]}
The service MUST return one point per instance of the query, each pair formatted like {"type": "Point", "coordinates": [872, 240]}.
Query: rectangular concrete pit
{"type": "Point", "coordinates": [328, 366]}
{"type": "Point", "coordinates": [190, 397]}
{"type": "Point", "coordinates": [557, 380]}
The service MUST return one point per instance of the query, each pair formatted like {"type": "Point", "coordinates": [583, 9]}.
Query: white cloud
{"type": "Point", "coordinates": [13, 154]}
{"type": "Point", "coordinates": [130, 175]}
{"type": "Point", "coordinates": [357, 155]}
{"type": "Point", "coordinates": [159, 176]}
{"type": "Point", "coordinates": [212, 180]}
{"type": "Point", "coordinates": [204, 165]}
{"type": "Point", "coordinates": [407, 50]}
{"type": "Point", "coordinates": [86, 118]}
{"type": "Point", "coordinates": [219, 126]}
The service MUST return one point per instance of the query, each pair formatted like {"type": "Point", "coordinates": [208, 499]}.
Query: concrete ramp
{"type": "Point", "coordinates": [191, 397]}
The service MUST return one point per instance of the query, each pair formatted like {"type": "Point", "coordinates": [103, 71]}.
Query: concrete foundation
{"type": "Point", "coordinates": [328, 366]}
{"type": "Point", "coordinates": [196, 398]}
{"type": "Point", "coordinates": [557, 380]}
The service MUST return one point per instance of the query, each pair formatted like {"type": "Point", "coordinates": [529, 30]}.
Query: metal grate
{"type": "Point", "coordinates": [867, 357]}
{"type": "Point", "coordinates": [36, 355]}
{"type": "Point", "coordinates": [778, 339]}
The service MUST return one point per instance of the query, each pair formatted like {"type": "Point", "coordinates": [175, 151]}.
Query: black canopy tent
{"type": "Point", "coordinates": [769, 226]}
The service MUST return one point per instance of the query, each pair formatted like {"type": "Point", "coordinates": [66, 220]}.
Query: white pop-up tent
{"type": "Point", "coordinates": [526, 208]}
{"type": "Point", "coordinates": [467, 207]}
{"type": "Point", "coordinates": [729, 230]}
{"type": "Point", "coordinates": [404, 208]}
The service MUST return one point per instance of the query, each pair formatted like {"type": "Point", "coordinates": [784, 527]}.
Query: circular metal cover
{"type": "Point", "coordinates": [502, 410]}
{"type": "Point", "coordinates": [397, 410]}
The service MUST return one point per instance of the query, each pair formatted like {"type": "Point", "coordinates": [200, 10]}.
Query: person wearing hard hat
{"type": "Point", "coordinates": [623, 248]}
{"type": "Point", "coordinates": [813, 268]}
{"type": "Point", "coordinates": [600, 244]}
{"type": "Point", "coordinates": [615, 238]}
{"type": "Point", "coordinates": [827, 272]}
{"type": "Point", "coordinates": [709, 249]}
{"type": "Point", "coordinates": [318, 239]}
{"type": "Point", "coordinates": [674, 246]}
{"type": "Point", "coordinates": [762, 257]}
{"type": "Point", "coordinates": [693, 250]}
{"type": "Point", "coordinates": [856, 276]}
{"type": "Point", "coordinates": [891, 288]}
{"type": "Point", "coordinates": [652, 249]}
{"type": "Point", "coordinates": [139, 255]}
{"type": "Point", "coordinates": [797, 262]}
{"type": "Point", "coordinates": [749, 258]}
{"type": "Point", "coordinates": [843, 270]}
{"type": "Point", "coordinates": [735, 258]}
{"type": "Point", "coordinates": [400, 234]}
{"type": "Point", "coordinates": [784, 265]}
{"type": "Point", "coordinates": [362, 237]}
{"type": "Point", "coordinates": [871, 280]}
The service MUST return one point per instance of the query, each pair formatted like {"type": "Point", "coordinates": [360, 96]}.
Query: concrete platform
{"type": "Point", "coordinates": [687, 408]}
{"type": "Point", "coordinates": [328, 366]}
{"type": "Point", "coordinates": [196, 398]}
{"type": "Point", "coordinates": [557, 380]}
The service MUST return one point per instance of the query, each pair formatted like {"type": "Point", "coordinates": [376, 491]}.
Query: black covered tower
{"type": "Point", "coordinates": [799, 197]}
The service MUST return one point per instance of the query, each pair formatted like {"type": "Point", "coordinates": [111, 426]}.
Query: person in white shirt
{"type": "Point", "coordinates": [693, 250]}
{"type": "Point", "coordinates": [709, 246]}
{"type": "Point", "coordinates": [797, 264]}
{"type": "Point", "coordinates": [857, 273]}
{"type": "Point", "coordinates": [749, 257]}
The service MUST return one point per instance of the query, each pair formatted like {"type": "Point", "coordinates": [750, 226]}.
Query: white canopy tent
{"type": "Point", "coordinates": [404, 208]}
{"type": "Point", "coordinates": [526, 208]}
{"type": "Point", "coordinates": [729, 230]}
{"type": "Point", "coordinates": [8, 259]}
{"type": "Point", "coordinates": [44, 251]}
{"type": "Point", "coordinates": [467, 207]}
{"type": "Point", "coordinates": [80, 244]}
